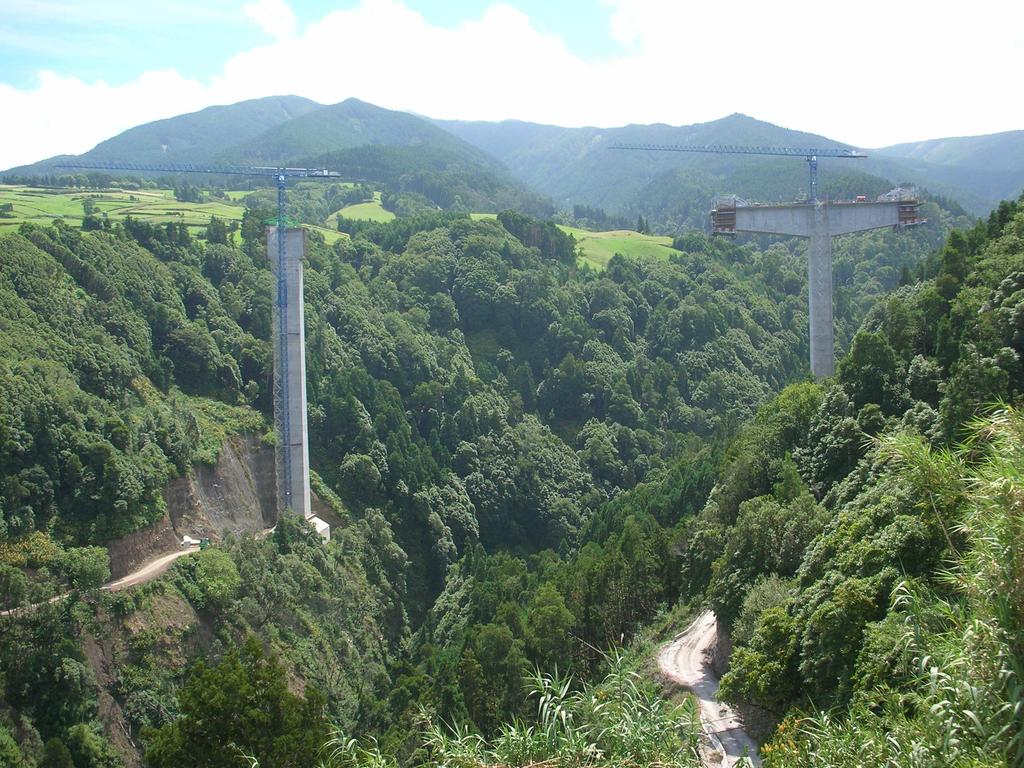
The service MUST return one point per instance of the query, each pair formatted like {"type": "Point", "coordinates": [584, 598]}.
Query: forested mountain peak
{"type": "Point", "coordinates": [573, 166]}
{"type": "Point", "coordinates": [350, 123]}
{"type": "Point", "coordinates": [415, 164]}
{"type": "Point", "coordinates": [196, 137]}
{"type": "Point", "coordinates": [736, 128]}
{"type": "Point", "coordinates": [674, 189]}
{"type": "Point", "coordinates": [518, 136]}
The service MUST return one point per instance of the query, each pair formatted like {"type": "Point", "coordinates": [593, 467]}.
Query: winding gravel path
{"type": "Point", "coordinates": [685, 661]}
{"type": "Point", "coordinates": [145, 572]}
{"type": "Point", "coordinates": [149, 570]}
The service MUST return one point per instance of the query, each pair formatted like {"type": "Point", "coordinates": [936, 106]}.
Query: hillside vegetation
{"type": "Point", "coordinates": [860, 562]}
{"type": "Point", "coordinates": [858, 542]}
{"type": "Point", "coordinates": [519, 452]}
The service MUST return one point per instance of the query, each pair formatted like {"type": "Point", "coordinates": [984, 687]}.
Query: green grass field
{"type": "Point", "coordinates": [154, 205]}
{"type": "Point", "coordinates": [158, 206]}
{"type": "Point", "coordinates": [372, 211]}
{"type": "Point", "coordinates": [237, 195]}
{"type": "Point", "coordinates": [331, 236]}
{"type": "Point", "coordinates": [599, 247]}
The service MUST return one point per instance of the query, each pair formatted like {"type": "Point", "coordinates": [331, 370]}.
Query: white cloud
{"type": "Point", "coordinates": [64, 115]}
{"type": "Point", "coordinates": [871, 74]}
{"type": "Point", "coordinates": [275, 17]}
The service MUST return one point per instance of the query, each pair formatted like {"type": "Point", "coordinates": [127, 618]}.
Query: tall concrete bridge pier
{"type": "Point", "coordinates": [290, 371]}
{"type": "Point", "coordinates": [819, 222]}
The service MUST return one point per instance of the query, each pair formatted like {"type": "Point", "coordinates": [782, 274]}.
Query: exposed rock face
{"type": "Point", "coordinates": [236, 495]}
{"type": "Point", "coordinates": [720, 653]}
{"type": "Point", "coordinates": [131, 551]}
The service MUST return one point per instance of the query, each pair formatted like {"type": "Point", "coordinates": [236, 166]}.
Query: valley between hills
{"type": "Point", "coordinates": [587, 504]}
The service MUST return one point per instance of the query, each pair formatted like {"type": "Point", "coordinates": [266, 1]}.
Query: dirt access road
{"type": "Point", "coordinates": [149, 570]}
{"type": "Point", "coordinates": [146, 572]}
{"type": "Point", "coordinates": [685, 661]}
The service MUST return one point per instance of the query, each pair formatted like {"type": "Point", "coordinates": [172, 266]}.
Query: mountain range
{"type": "Point", "coordinates": [490, 165]}
{"type": "Point", "coordinates": [572, 165]}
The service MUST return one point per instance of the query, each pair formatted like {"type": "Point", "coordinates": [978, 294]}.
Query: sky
{"type": "Point", "coordinates": [870, 73]}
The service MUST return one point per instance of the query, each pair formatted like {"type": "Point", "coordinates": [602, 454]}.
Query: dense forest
{"type": "Point", "coordinates": [531, 462]}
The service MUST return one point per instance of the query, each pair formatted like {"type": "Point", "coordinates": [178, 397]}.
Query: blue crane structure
{"type": "Point", "coordinates": [810, 155]}
{"type": "Point", "coordinates": [282, 395]}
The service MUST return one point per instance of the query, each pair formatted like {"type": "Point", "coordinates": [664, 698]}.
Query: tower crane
{"type": "Point", "coordinates": [810, 155]}
{"type": "Point", "coordinates": [817, 221]}
{"type": "Point", "coordinates": [287, 404]}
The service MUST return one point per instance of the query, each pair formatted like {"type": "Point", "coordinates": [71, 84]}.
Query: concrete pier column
{"type": "Point", "coordinates": [290, 372]}
{"type": "Point", "coordinates": [819, 222]}
{"type": "Point", "coordinates": [819, 282]}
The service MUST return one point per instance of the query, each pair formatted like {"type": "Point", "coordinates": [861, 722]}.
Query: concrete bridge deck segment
{"type": "Point", "coordinates": [819, 222]}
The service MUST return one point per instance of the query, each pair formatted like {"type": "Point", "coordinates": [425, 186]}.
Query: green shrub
{"type": "Point", "coordinates": [216, 578]}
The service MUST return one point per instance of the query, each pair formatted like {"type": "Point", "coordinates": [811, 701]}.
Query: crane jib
{"type": "Point", "coordinates": [731, 149]}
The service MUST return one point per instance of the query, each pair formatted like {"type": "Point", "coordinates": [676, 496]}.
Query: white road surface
{"type": "Point", "coordinates": [149, 570]}
{"type": "Point", "coordinates": [685, 661]}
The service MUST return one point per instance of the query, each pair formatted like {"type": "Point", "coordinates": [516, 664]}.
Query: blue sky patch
{"type": "Point", "coordinates": [116, 40]}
